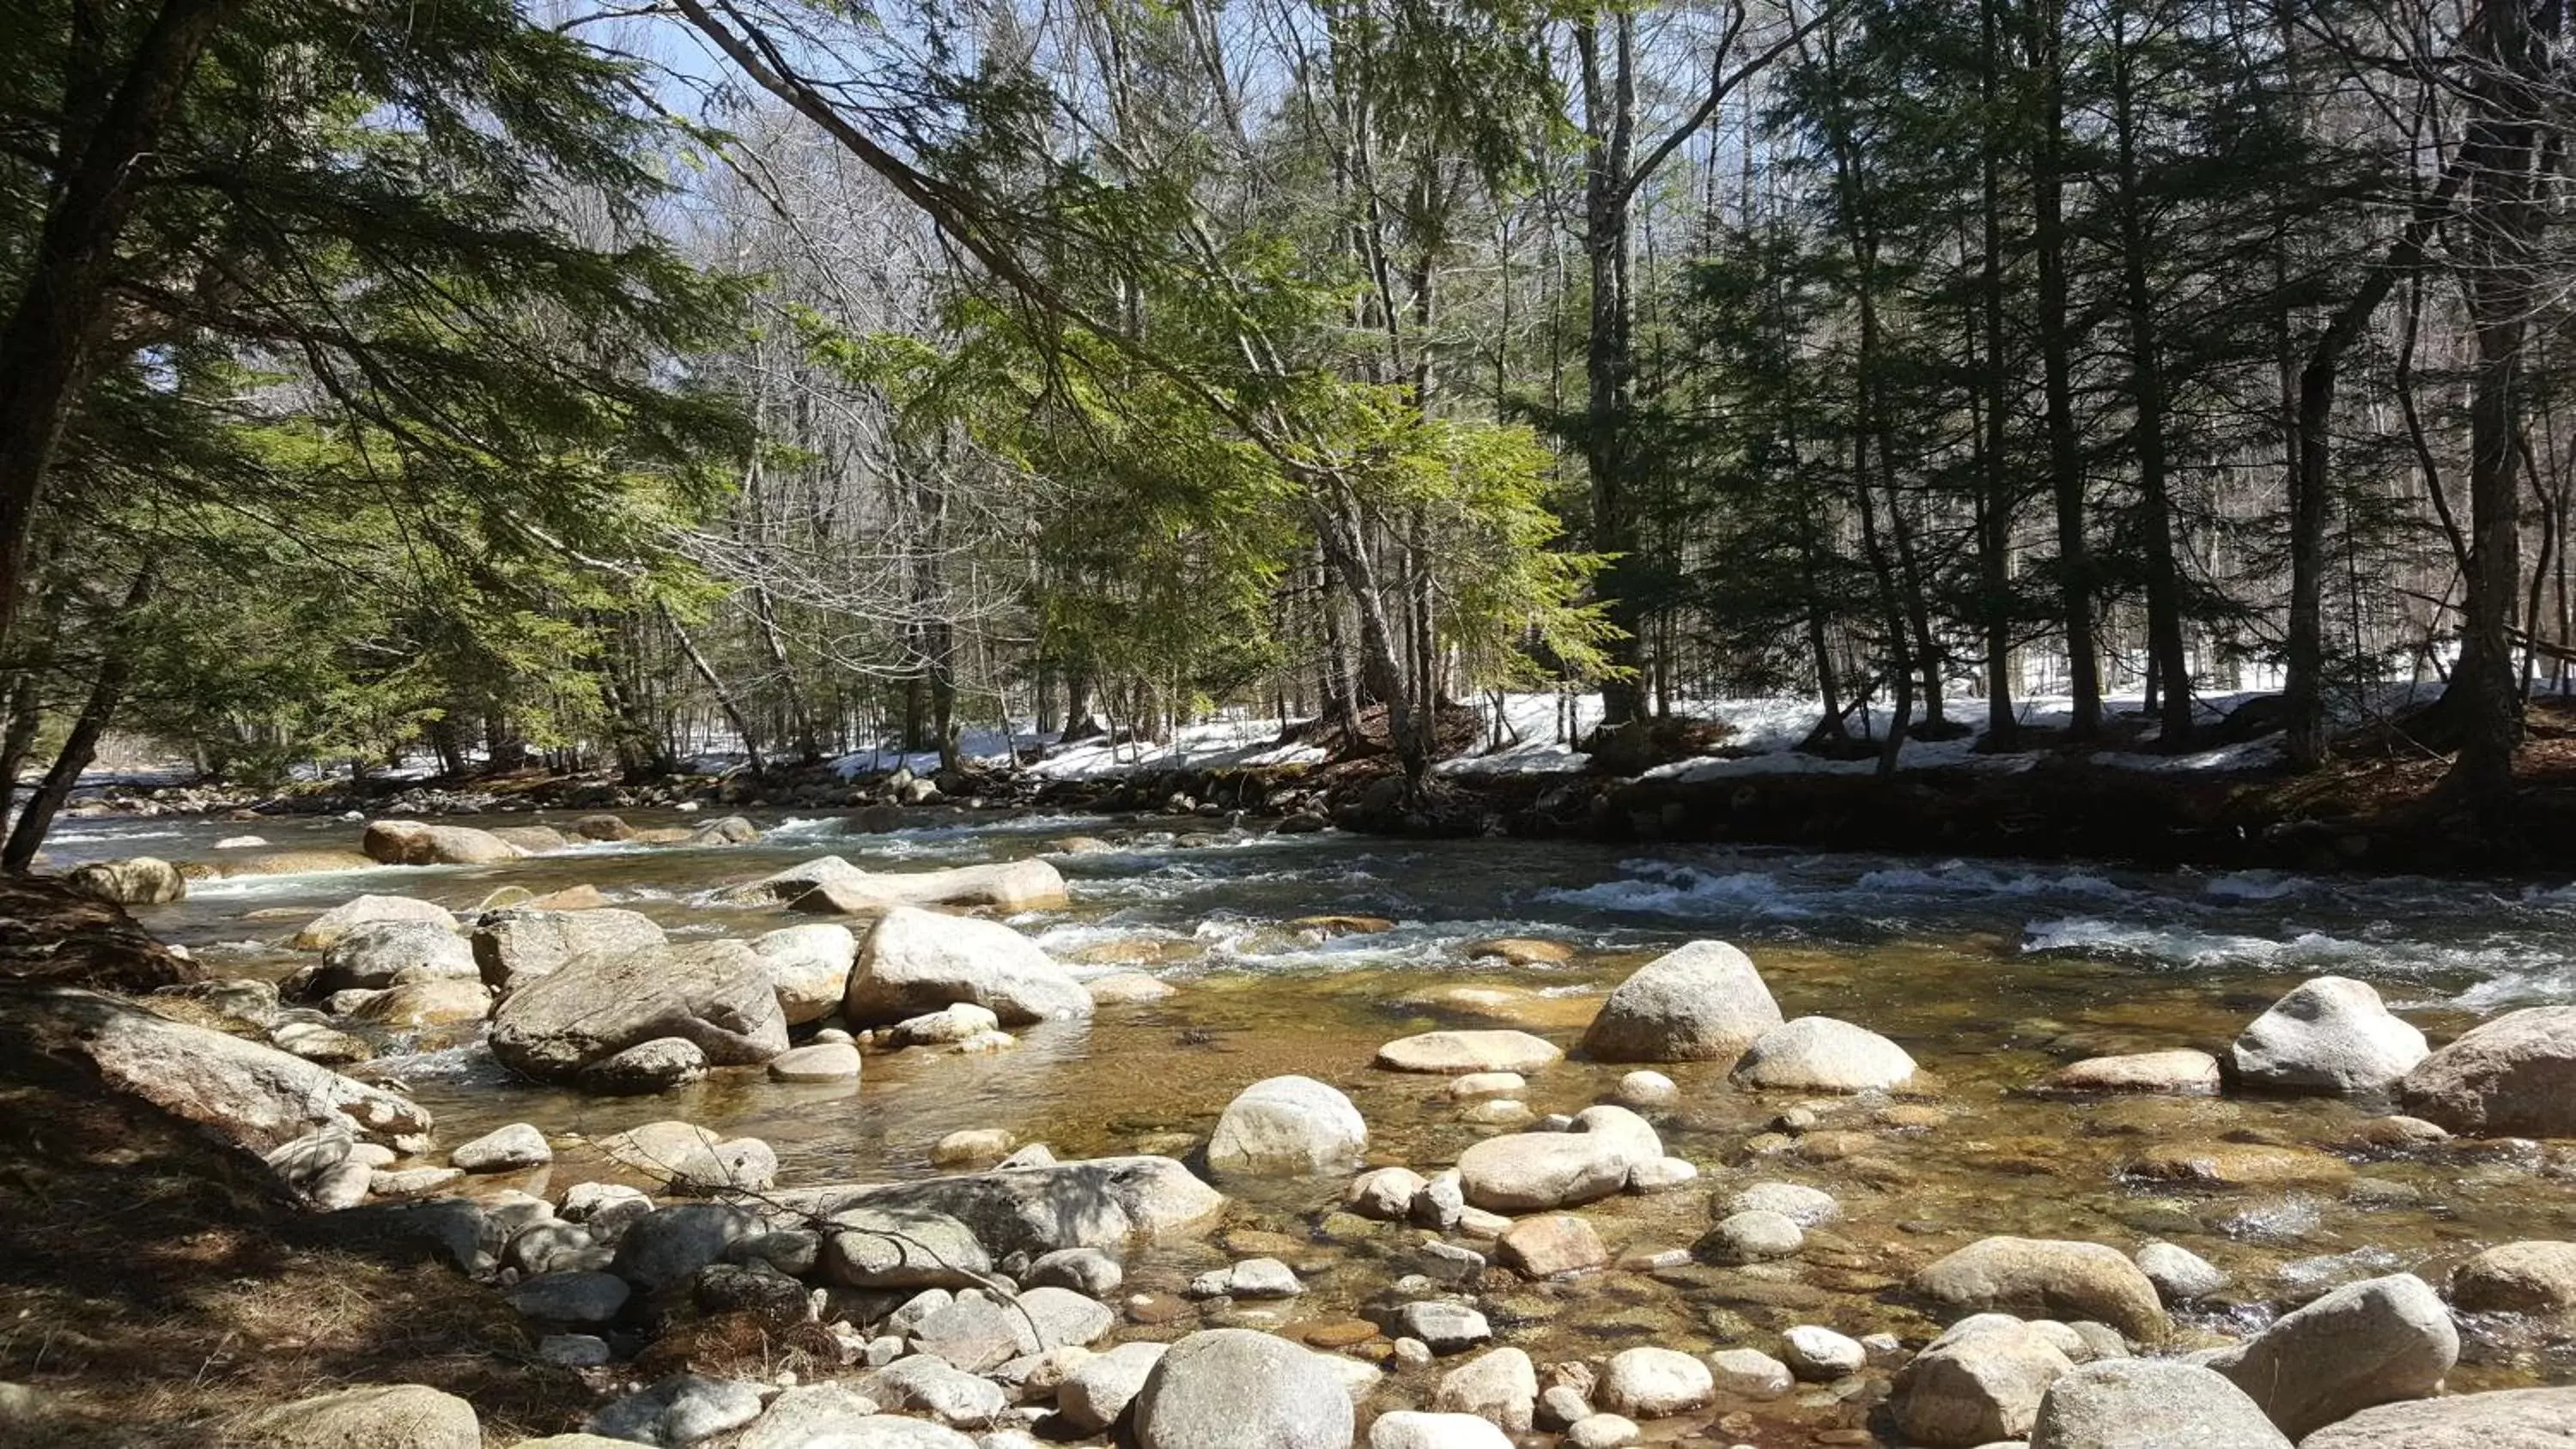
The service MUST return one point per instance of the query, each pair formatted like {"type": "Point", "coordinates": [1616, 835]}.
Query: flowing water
{"type": "Point", "coordinates": [1990, 973]}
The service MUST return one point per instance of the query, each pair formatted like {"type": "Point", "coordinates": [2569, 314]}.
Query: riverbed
{"type": "Point", "coordinates": [1990, 973]}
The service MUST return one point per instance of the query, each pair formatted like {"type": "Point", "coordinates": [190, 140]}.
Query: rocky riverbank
{"type": "Point", "coordinates": [670, 1283]}
{"type": "Point", "coordinates": [2377, 815]}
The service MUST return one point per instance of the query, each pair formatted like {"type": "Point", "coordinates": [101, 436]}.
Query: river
{"type": "Point", "coordinates": [1990, 973]}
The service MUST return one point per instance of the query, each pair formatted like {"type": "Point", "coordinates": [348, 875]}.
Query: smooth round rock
{"type": "Point", "coordinates": [821, 1062]}
{"type": "Point", "coordinates": [1231, 1388]}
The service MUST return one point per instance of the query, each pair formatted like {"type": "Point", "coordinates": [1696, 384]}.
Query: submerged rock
{"type": "Point", "coordinates": [1287, 1125]}
{"type": "Point", "coordinates": [917, 961]}
{"type": "Point", "coordinates": [2332, 1034]}
{"type": "Point", "coordinates": [1460, 1052]}
{"type": "Point", "coordinates": [689, 1156]}
{"type": "Point", "coordinates": [2182, 1072]}
{"type": "Point", "coordinates": [1703, 1002]}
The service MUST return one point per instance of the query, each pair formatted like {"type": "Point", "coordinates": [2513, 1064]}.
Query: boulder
{"type": "Point", "coordinates": [392, 953]}
{"type": "Point", "coordinates": [1820, 1054]}
{"type": "Point", "coordinates": [307, 1122]}
{"type": "Point", "coordinates": [2238, 1164]}
{"type": "Point", "coordinates": [1084, 1270]}
{"type": "Point", "coordinates": [2182, 1072]}
{"type": "Point", "coordinates": [667, 1246]}
{"type": "Point", "coordinates": [603, 827]}
{"type": "Point", "coordinates": [505, 1149]}
{"type": "Point", "coordinates": [830, 1061]}
{"type": "Point", "coordinates": [1457, 1052]}
{"type": "Point", "coordinates": [725, 830]}
{"type": "Point", "coordinates": [646, 1068]}
{"type": "Point", "coordinates": [1543, 1247]}
{"type": "Point", "coordinates": [934, 1386]}
{"type": "Point", "coordinates": [830, 885]}
{"type": "Point", "coordinates": [714, 994]}
{"type": "Point", "coordinates": [1749, 1373]}
{"type": "Point", "coordinates": [1500, 1386]}
{"type": "Point", "coordinates": [2367, 1343]}
{"type": "Point", "coordinates": [416, 1005]}
{"type": "Point", "coordinates": [1110, 1203]}
{"type": "Point", "coordinates": [917, 961]}
{"type": "Point", "coordinates": [415, 842]}
{"type": "Point", "coordinates": [517, 946]}
{"type": "Point", "coordinates": [2514, 1076]}
{"type": "Point", "coordinates": [2154, 1403]}
{"type": "Point", "coordinates": [1755, 1236]}
{"type": "Point", "coordinates": [1703, 1002]}
{"type": "Point", "coordinates": [2180, 1275]}
{"type": "Point", "coordinates": [1820, 1355]}
{"type": "Point", "coordinates": [2503, 1419]}
{"type": "Point", "coordinates": [679, 1410]}
{"type": "Point", "coordinates": [386, 1416]}
{"type": "Point", "coordinates": [534, 839]}
{"type": "Point", "coordinates": [962, 1022]}
{"type": "Point", "coordinates": [1231, 1388]}
{"type": "Point", "coordinates": [570, 898]}
{"type": "Point", "coordinates": [811, 1415]}
{"type": "Point", "coordinates": [142, 880]}
{"type": "Point", "coordinates": [1979, 1382]}
{"type": "Point", "coordinates": [324, 930]}
{"type": "Point", "coordinates": [688, 1156]}
{"type": "Point", "coordinates": [1384, 1193]}
{"type": "Point", "coordinates": [579, 1298]}
{"type": "Point", "coordinates": [2332, 1034]}
{"type": "Point", "coordinates": [1808, 1207]}
{"type": "Point", "coordinates": [1098, 1391]}
{"type": "Point", "coordinates": [810, 966]}
{"type": "Point", "coordinates": [2050, 1277]}
{"type": "Point", "coordinates": [2537, 1278]}
{"type": "Point", "coordinates": [1536, 1171]}
{"type": "Point", "coordinates": [1414, 1429]}
{"type": "Point", "coordinates": [1654, 1383]}
{"type": "Point", "coordinates": [1287, 1125]}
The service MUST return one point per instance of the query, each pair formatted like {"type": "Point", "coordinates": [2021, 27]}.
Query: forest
{"type": "Point", "coordinates": [587, 385]}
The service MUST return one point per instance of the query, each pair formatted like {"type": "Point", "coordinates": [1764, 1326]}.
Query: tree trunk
{"type": "Point", "coordinates": [2500, 282]}
{"type": "Point", "coordinates": [715, 685]}
{"type": "Point", "coordinates": [2057, 346]}
{"type": "Point", "coordinates": [1994, 498]}
{"type": "Point", "coordinates": [1610, 124]}
{"type": "Point", "coordinates": [45, 345]}
{"type": "Point", "coordinates": [2165, 642]}
{"type": "Point", "coordinates": [115, 666]}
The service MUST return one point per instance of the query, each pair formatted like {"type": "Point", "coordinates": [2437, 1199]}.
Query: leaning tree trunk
{"type": "Point", "coordinates": [80, 747]}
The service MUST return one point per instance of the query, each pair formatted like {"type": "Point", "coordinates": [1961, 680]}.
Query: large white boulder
{"type": "Point", "coordinates": [715, 995]}
{"type": "Point", "coordinates": [2153, 1403]}
{"type": "Point", "coordinates": [915, 962]}
{"type": "Point", "coordinates": [1536, 1171]}
{"type": "Point", "coordinates": [1703, 1002]}
{"type": "Point", "coordinates": [810, 966]}
{"type": "Point", "coordinates": [1820, 1054]}
{"type": "Point", "coordinates": [2332, 1034]}
{"type": "Point", "coordinates": [1287, 1125]}
{"type": "Point", "coordinates": [1231, 1388]}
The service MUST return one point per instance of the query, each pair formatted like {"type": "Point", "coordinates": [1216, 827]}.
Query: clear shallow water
{"type": "Point", "coordinates": [1990, 973]}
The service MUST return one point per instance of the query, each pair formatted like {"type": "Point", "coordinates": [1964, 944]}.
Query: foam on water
{"type": "Point", "coordinates": [1666, 889]}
